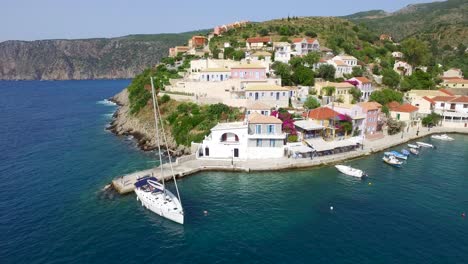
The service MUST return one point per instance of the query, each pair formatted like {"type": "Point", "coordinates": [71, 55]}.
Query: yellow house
{"type": "Point", "coordinates": [422, 99]}
{"type": "Point", "coordinates": [403, 112]}
{"type": "Point", "coordinates": [342, 91]}
{"type": "Point", "coordinates": [455, 83]}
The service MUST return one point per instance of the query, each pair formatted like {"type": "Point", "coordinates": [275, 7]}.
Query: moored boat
{"type": "Point", "coordinates": [391, 160]}
{"type": "Point", "coordinates": [405, 152]}
{"type": "Point", "coordinates": [399, 155]}
{"type": "Point", "coordinates": [414, 151]}
{"type": "Point", "coordinates": [348, 170]}
{"type": "Point", "coordinates": [424, 144]}
{"type": "Point", "coordinates": [442, 137]}
{"type": "Point", "coordinates": [413, 146]}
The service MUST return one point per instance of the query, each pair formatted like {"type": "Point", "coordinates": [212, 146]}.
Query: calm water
{"type": "Point", "coordinates": [55, 156]}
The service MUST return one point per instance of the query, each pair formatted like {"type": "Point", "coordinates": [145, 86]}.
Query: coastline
{"type": "Point", "coordinates": [188, 165]}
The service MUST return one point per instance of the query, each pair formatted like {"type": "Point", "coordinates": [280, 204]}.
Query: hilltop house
{"type": "Point", "coordinates": [453, 73]}
{"type": "Point", "coordinates": [343, 64]}
{"type": "Point", "coordinates": [215, 74]}
{"type": "Point", "coordinates": [403, 68]}
{"type": "Point", "coordinates": [258, 137]}
{"type": "Point", "coordinates": [342, 91]}
{"type": "Point", "coordinates": [455, 82]}
{"type": "Point", "coordinates": [372, 112]}
{"type": "Point", "coordinates": [173, 52]}
{"type": "Point", "coordinates": [260, 56]}
{"type": "Point", "coordinates": [218, 30]}
{"type": "Point", "coordinates": [397, 55]}
{"type": "Point", "coordinates": [303, 46]}
{"type": "Point", "coordinates": [282, 51]}
{"type": "Point", "coordinates": [197, 42]}
{"type": "Point", "coordinates": [364, 85]}
{"type": "Point", "coordinates": [271, 95]}
{"type": "Point", "coordinates": [454, 110]}
{"type": "Point", "coordinates": [257, 42]}
{"type": "Point", "coordinates": [248, 71]}
{"type": "Point", "coordinates": [404, 112]}
{"type": "Point", "coordinates": [259, 108]}
{"type": "Point", "coordinates": [385, 37]}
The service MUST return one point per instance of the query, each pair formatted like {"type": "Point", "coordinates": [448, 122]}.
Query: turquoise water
{"type": "Point", "coordinates": [55, 156]}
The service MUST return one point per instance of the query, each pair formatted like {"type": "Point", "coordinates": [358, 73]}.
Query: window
{"type": "Point", "coordinates": [259, 142]}
{"type": "Point", "coordinates": [465, 106]}
{"type": "Point", "coordinates": [250, 94]}
{"type": "Point", "coordinates": [271, 129]}
{"type": "Point", "coordinates": [272, 143]}
{"type": "Point", "coordinates": [258, 129]}
{"type": "Point", "coordinates": [263, 94]}
{"type": "Point", "coordinates": [442, 104]}
{"type": "Point", "coordinates": [284, 94]}
{"type": "Point", "coordinates": [271, 94]}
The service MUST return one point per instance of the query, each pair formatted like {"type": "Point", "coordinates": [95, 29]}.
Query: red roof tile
{"type": "Point", "coordinates": [461, 99]}
{"type": "Point", "coordinates": [443, 98]}
{"type": "Point", "coordinates": [259, 40]}
{"type": "Point", "coordinates": [309, 40]}
{"type": "Point", "coordinates": [407, 108]}
{"type": "Point", "coordinates": [429, 100]}
{"type": "Point", "coordinates": [363, 79]}
{"type": "Point", "coordinates": [322, 113]}
{"type": "Point", "coordinates": [446, 92]}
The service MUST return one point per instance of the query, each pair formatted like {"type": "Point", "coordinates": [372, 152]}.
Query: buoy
{"type": "Point", "coordinates": [370, 183]}
{"type": "Point", "coordinates": [331, 208]}
{"type": "Point", "coordinates": [205, 212]}
{"type": "Point", "coordinates": [463, 214]}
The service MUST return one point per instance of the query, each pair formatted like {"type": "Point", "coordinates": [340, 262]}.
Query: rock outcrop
{"type": "Point", "coordinates": [140, 127]}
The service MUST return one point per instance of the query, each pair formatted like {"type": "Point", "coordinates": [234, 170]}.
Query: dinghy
{"type": "Point", "coordinates": [423, 144]}
{"type": "Point", "coordinates": [399, 155]}
{"type": "Point", "coordinates": [405, 152]}
{"type": "Point", "coordinates": [442, 137]}
{"type": "Point", "coordinates": [414, 151]}
{"type": "Point", "coordinates": [413, 146]}
{"type": "Point", "coordinates": [391, 160]}
{"type": "Point", "coordinates": [350, 171]}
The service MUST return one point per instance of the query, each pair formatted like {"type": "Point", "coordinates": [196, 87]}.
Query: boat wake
{"type": "Point", "coordinates": [106, 102]}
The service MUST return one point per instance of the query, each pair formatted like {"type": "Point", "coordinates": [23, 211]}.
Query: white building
{"type": "Point", "coordinates": [303, 46]}
{"type": "Point", "coordinates": [403, 68]}
{"type": "Point", "coordinates": [259, 137]}
{"type": "Point", "coordinates": [215, 74]}
{"type": "Point", "coordinates": [364, 85]}
{"type": "Point", "coordinates": [397, 55]}
{"type": "Point", "coordinates": [271, 95]}
{"type": "Point", "coordinates": [343, 64]}
{"type": "Point", "coordinates": [259, 108]}
{"type": "Point", "coordinates": [282, 51]}
{"type": "Point", "coordinates": [453, 73]}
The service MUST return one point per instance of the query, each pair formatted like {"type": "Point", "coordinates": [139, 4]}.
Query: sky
{"type": "Point", "coordinates": [67, 19]}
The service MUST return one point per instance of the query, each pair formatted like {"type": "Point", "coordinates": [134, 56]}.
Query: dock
{"type": "Point", "coordinates": [188, 165]}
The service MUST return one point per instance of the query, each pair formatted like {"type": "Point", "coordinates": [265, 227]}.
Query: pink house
{"type": "Point", "coordinates": [365, 85]}
{"type": "Point", "coordinates": [248, 71]}
{"type": "Point", "coordinates": [372, 111]}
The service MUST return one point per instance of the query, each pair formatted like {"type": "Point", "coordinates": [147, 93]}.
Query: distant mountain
{"type": "Point", "coordinates": [445, 22]}
{"type": "Point", "coordinates": [102, 58]}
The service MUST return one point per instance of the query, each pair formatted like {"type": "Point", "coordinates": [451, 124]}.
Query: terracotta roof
{"type": "Point", "coordinates": [258, 106]}
{"type": "Point", "coordinates": [460, 99]}
{"type": "Point", "coordinates": [429, 100]}
{"type": "Point", "coordinates": [457, 80]}
{"type": "Point", "coordinates": [340, 63]}
{"type": "Point", "coordinates": [308, 40]}
{"type": "Point", "coordinates": [446, 91]}
{"type": "Point", "coordinates": [259, 40]}
{"type": "Point", "coordinates": [397, 107]}
{"type": "Point", "coordinates": [322, 113]}
{"type": "Point", "coordinates": [362, 79]}
{"type": "Point", "coordinates": [265, 87]}
{"type": "Point", "coordinates": [256, 118]}
{"type": "Point", "coordinates": [370, 105]}
{"type": "Point", "coordinates": [443, 98]}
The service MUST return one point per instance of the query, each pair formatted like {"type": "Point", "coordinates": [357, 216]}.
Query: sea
{"type": "Point", "coordinates": [56, 156]}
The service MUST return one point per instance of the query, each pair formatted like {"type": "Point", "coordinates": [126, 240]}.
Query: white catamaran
{"type": "Point", "coordinates": [153, 194]}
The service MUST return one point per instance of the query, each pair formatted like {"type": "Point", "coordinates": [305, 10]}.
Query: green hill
{"type": "Point", "coordinates": [445, 22]}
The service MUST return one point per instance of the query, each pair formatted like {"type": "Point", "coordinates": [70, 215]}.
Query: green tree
{"type": "Point", "coordinates": [386, 96]}
{"type": "Point", "coordinates": [376, 70]}
{"type": "Point", "coordinates": [326, 72]}
{"type": "Point", "coordinates": [416, 52]}
{"type": "Point", "coordinates": [328, 90]}
{"type": "Point", "coordinates": [228, 52]}
{"type": "Point", "coordinates": [312, 58]}
{"type": "Point", "coordinates": [303, 76]}
{"type": "Point", "coordinates": [283, 70]}
{"type": "Point", "coordinates": [238, 55]}
{"type": "Point", "coordinates": [311, 103]}
{"type": "Point", "coordinates": [296, 62]}
{"type": "Point", "coordinates": [431, 119]}
{"type": "Point", "coordinates": [390, 78]}
{"type": "Point", "coordinates": [419, 80]}
{"type": "Point", "coordinates": [394, 126]}
{"type": "Point", "coordinates": [357, 71]}
{"type": "Point", "coordinates": [356, 93]}
{"type": "Point", "coordinates": [311, 34]}
{"type": "Point", "coordinates": [263, 32]}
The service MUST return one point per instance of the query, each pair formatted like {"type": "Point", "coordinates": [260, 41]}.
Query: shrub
{"type": "Point", "coordinates": [165, 98]}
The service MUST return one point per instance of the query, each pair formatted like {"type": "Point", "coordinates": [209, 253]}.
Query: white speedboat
{"type": "Point", "coordinates": [153, 194]}
{"type": "Point", "coordinates": [413, 146]}
{"type": "Point", "coordinates": [155, 197]}
{"type": "Point", "coordinates": [350, 171]}
{"type": "Point", "coordinates": [423, 144]}
{"type": "Point", "coordinates": [414, 151]}
{"type": "Point", "coordinates": [392, 160]}
{"type": "Point", "coordinates": [442, 137]}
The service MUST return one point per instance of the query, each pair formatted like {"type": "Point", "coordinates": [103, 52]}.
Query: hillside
{"type": "Point", "coordinates": [444, 22]}
{"type": "Point", "coordinates": [103, 58]}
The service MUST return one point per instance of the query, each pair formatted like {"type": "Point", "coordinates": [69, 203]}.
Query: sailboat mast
{"type": "Point", "coordinates": [156, 121]}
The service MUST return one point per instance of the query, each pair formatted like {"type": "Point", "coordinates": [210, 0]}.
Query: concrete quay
{"type": "Point", "coordinates": [188, 165]}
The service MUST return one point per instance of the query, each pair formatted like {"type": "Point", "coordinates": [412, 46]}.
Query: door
{"type": "Point", "coordinates": [221, 77]}
{"type": "Point", "coordinates": [236, 153]}
{"type": "Point", "coordinates": [256, 96]}
{"type": "Point", "coordinates": [398, 116]}
{"type": "Point", "coordinates": [277, 96]}
{"type": "Point", "coordinates": [207, 152]}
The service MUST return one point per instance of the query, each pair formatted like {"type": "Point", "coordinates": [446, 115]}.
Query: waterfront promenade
{"type": "Point", "coordinates": [187, 166]}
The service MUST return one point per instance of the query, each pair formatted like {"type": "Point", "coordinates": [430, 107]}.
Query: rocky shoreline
{"type": "Point", "coordinates": [143, 131]}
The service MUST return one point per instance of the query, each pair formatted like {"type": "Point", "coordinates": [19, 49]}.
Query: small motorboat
{"type": "Point", "coordinates": [405, 152]}
{"type": "Point", "coordinates": [413, 146]}
{"type": "Point", "coordinates": [414, 151]}
{"type": "Point", "coordinates": [399, 155]}
{"type": "Point", "coordinates": [426, 145]}
{"type": "Point", "coordinates": [442, 137]}
{"type": "Point", "coordinates": [391, 160]}
{"type": "Point", "coordinates": [350, 171]}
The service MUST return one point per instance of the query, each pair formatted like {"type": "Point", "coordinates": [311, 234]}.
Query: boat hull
{"type": "Point", "coordinates": [350, 171]}
{"type": "Point", "coordinates": [426, 145]}
{"type": "Point", "coordinates": [167, 205]}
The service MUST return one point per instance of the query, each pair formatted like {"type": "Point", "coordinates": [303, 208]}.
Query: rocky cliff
{"type": "Point", "coordinates": [110, 58]}
{"type": "Point", "coordinates": [141, 126]}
